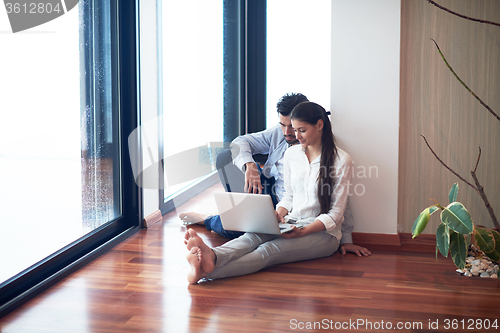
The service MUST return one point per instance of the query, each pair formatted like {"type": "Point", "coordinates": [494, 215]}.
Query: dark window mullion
{"type": "Point", "coordinates": [234, 69]}
{"type": "Point", "coordinates": [256, 34]}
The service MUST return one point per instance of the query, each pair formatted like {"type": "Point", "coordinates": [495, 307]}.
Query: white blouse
{"type": "Point", "coordinates": [300, 197]}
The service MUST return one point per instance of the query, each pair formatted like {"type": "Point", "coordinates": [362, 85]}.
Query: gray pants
{"type": "Point", "coordinates": [252, 252]}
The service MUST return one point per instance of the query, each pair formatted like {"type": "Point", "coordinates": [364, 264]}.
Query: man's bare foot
{"type": "Point", "coordinates": [193, 218]}
{"type": "Point", "coordinates": [194, 257]}
{"type": "Point", "coordinates": [192, 240]}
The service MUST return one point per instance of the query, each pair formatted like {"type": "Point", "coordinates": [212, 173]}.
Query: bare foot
{"type": "Point", "coordinates": [192, 240]}
{"type": "Point", "coordinates": [193, 218]}
{"type": "Point", "coordinates": [194, 257]}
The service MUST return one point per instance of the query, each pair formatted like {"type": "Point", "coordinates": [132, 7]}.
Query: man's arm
{"type": "Point", "coordinates": [250, 144]}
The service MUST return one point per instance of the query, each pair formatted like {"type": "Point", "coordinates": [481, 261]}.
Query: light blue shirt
{"type": "Point", "coordinates": [271, 142]}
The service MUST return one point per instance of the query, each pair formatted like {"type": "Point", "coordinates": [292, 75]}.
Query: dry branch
{"type": "Point", "coordinates": [463, 83]}
{"type": "Point", "coordinates": [446, 166]}
{"type": "Point", "coordinates": [478, 188]}
{"type": "Point", "coordinates": [462, 16]}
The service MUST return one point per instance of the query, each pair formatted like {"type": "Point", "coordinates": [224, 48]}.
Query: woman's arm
{"type": "Point", "coordinates": [286, 201]}
{"type": "Point", "coordinates": [311, 228]}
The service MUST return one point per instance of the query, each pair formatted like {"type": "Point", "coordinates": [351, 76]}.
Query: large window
{"type": "Point", "coordinates": [68, 104]}
{"type": "Point", "coordinates": [40, 195]}
{"type": "Point", "coordinates": [192, 90]}
{"type": "Point", "coordinates": [298, 51]}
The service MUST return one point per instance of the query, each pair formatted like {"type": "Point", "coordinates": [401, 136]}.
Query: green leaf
{"type": "Point", "coordinates": [458, 249]}
{"type": "Point", "coordinates": [495, 254]}
{"type": "Point", "coordinates": [484, 239]}
{"type": "Point", "coordinates": [421, 222]}
{"type": "Point", "coordinates": [457, 218]}
{"type": "Point", "coordinates": [453, 193]}
{"type": "Point", "coordinates": [443, 239]}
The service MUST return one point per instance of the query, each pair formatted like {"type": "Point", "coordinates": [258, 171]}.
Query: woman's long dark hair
{"type": "Point", "coordinates": [310, 113]}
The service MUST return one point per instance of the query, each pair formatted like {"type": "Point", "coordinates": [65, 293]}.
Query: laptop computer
{"type": "Point", "coordinates": [249, 213]}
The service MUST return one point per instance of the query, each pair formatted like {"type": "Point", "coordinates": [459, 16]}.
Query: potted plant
{"type": "Point", "coordinates": [456, 231]}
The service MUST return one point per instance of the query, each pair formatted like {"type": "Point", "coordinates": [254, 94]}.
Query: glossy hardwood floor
{"type": "Point", "coordinates": [140, 286]}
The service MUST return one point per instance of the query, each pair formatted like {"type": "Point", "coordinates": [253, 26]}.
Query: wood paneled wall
{"type": "Point", "coordinates": [434, 104]}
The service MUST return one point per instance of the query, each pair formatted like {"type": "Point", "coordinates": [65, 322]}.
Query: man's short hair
{"type": "Point", "coordinates": [288, 102]}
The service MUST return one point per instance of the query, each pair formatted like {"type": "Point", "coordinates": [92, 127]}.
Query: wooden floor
{"type": "Point", "coordinates": [141, 286]}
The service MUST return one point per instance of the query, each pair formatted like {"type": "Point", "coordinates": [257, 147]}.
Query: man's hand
{"type": "Point", "coordinates": [252, 179]}
{"type": "Point", "coordinates": [359, 250]}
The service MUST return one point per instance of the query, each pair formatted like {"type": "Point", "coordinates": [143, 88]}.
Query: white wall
{"type": "Point", "coordinates": [365, 105]}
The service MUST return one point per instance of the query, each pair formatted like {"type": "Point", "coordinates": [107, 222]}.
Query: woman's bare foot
{"type": "Point", "coordinates": [192, 240]}
{"type": "Point", "coordinates": [193, 218]}
{"type": "Point", "coordinates": [194, 258]}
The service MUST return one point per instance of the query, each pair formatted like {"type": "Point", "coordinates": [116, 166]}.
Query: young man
{"type": "Point", "coordinates": [243, 174]}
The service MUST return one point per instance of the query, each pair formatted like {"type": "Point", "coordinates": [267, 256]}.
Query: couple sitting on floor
{"type": "Point", "coordinates": [305, 174]}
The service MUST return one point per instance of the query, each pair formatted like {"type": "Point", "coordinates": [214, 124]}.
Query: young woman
{"type": "Point", "coordinates": [317, 178]}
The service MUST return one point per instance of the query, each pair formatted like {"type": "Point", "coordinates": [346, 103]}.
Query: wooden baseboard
{"type": "Point", "coordinates": [423, 239]}
{"type": "Point", "coordinates": [424, 242]}
{"type": "Point", "coordinates": [152, 219]}
{"type": "Point", "coordinates": [362, 238]}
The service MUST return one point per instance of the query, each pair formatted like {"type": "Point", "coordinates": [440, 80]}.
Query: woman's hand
{"type": "Point", "coordinates": [296, 232]}
{"type": "Point", "coordinates": [356, 249]}
{"type": "Point", "coordinates": [280, 214]}
{"type": "Point", "coordinates": [316, 226]}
